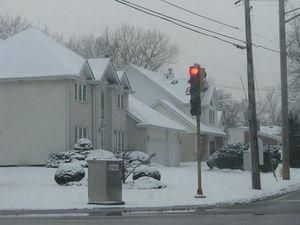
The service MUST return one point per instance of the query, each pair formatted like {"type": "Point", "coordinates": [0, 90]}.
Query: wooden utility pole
{"type": "Point", "coordinates": [284, 94]}
{"type": "Point", "coordinates": [252, 105]}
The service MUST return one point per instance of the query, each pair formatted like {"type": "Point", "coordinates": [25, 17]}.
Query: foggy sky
{"type": "Point", "coordinates": [223, 62]}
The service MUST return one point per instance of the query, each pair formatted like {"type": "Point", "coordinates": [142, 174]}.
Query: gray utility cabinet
{"type": "Point", "coordinates": [105, 182]}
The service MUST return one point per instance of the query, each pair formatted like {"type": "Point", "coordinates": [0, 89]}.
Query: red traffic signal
{"type": "Point", "coordinates": [195, 70]}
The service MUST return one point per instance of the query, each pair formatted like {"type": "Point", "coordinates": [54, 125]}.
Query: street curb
{"type": "Point", "coordinates": [118, 211]}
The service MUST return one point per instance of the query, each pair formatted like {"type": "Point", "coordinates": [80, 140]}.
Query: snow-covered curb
{"type": "Point", "coordinates": [33, 188]}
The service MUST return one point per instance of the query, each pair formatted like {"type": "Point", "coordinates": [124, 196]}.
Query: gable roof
{"type": "Point", "coordinates": [146, 116]}
{"type": "Point", "coordinates": [189, 120]}
{"type": "Point", "coordinates": [100, 68]}
{"type": "Point", "coordinates": [124, 79]}
{"type": "Point", "coordinates": [32, 53]}
{"type": "Point", "coordinates": [175, 87]}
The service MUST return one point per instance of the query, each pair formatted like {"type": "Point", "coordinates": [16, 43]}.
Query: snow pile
{"type": "Point", "coordinates": [146, 171]}
{"type": "Point", "coordinates": [100, 154]}
{"type": "Point", "coordinates": [83, 144]}
{"type": "Point", "coordinates": [69, 172]}
{"type": "Point", "coordinates": [147, 183]}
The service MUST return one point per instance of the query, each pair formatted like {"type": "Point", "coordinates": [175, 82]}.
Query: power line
{"type": "Point", "coordinates": [197, 14]}
{"type": "Point", "coordinates": [178, 24]}
{"type": "Point", "coordinates": [184, 22]}
{"type": "Point", "coordinates": [170, 20]}
{"type": "Point", "coordinates": [214, 20]}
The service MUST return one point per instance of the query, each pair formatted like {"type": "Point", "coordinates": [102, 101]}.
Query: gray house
{"type": "Point", "coordinates": [166, 94]}
{"type": "Point", "coordinates": [50, 97]}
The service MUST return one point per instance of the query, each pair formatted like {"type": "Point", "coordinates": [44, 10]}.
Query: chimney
{"type": "Point", "coordinates": [169, 75]}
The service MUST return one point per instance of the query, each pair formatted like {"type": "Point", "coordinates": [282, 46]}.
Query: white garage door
{"type": "Point", "coordinates": [157, 147]}
{"type": "Point", "coordinates": [174, 153]}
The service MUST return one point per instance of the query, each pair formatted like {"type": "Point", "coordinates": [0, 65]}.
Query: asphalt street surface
{"type": "Point", "coordinates": [284, 210]}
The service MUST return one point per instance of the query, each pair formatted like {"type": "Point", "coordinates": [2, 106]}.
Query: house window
{"type": "Point", "coordinates": [119, 137]}
{"type": "Point", "coordinates": [81, 92]}
{"type": "Point", "coordinates": [120, 102]}
{"type": "Point", "coordinates": [102, 105]}
{"type": "Point", "coordinates": [211, 116]}
{"type": "Point", "coordinates": [80, 132]}
{"type": "Point", "coordinates": [102, 138]}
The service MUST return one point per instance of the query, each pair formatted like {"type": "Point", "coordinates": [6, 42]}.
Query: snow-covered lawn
{"type": "Point", "coordinates": [35, 188]}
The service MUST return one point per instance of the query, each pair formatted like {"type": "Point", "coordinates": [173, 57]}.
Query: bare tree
{"type": "Point", "coordinates": [9, 26]}
{"type": "Point", "coordinates": [272, 107]}
{"type": "Point", "coordinates": [233, 110]}
{"type": "Point", "coordinates": [149, 49]}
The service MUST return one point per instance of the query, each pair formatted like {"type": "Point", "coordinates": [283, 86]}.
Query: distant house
{"type": "Point", "coordinates": [152, 132]}
{"type": "Point", "coordinates": [50, 97]}
{"type": "Point", "coordinates": [268, 135]}
{"type": "Point", "coordinates": [166, 95]}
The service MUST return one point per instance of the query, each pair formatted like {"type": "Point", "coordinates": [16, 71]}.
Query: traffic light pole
{"type": "Point", "coordinates": [252, 105]}
{"type": "Point", "coordinates": [284, 94]}
{"type": "Point", "coordinates": [199, 159]}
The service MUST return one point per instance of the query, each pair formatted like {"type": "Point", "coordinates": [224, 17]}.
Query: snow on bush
{"type": "Point", "coordinates": [231, 157]}
{"type": "Point", "coordinates": [57, 158]}
{"type": "Point", "coordinates": [147, 183]}
{"type": "Point", "coordinates": [100, 154]}
{"type": "Point", "coordinates": [69, 172]}
{"type": "Point", "coordinates": [146, 171]}
{"type": "Point", "coordinates": [136, 156]}
{"type": "Point", "coordinates": [83, 144]}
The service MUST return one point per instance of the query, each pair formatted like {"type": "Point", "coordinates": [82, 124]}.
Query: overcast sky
{"type": "Point", "coordinates": [223, 62]}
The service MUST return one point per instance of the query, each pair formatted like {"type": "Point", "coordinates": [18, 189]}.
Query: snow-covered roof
{"type": "Point", "coordinates": [32, 53]}
{"type": "Point", "coordinates": [175, 87]}
{"type": "Point", "coordinates": [261, 132]}
{"type": "Point", "coordinates": [204, 128]}
{"type": "Point", "coordinates": [98, 66]}
{"type": "Point", "coordinates": [124, 79]}
{"type": "Point", "coordinates": [146, 116]}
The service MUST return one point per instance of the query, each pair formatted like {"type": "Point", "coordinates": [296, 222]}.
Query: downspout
{"type": "Point", "coordinates": [67, 122]}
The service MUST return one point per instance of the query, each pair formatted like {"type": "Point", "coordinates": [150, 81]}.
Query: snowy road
{"type": "Point", "coordinates": [280, 211]}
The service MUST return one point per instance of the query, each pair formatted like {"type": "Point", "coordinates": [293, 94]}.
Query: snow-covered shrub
{"type": "Point", "coordinates": [57, 158]}
{"type": "Point", "coordinates": [83, 144]}
{"type": "Point", "coordinates": [69, 172]}
{"type": "Point", "coordinates": [230, 157]}
{"type": "Point", "coordinates": [136, 156]}
{"type": "Point", "coordinates": [100, 154]}
{"type": "Point", "coordinates": [147, 183]}
{"type": "Point", "coordinates": [146, 171]}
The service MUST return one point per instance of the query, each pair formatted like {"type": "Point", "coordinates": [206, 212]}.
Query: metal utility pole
{"type": "Point", "coordinates": [199, 159]}
{"type": "Point", "coordinates": [197, 76]}
{"type": "Point", "coordinates": [252, 105]}
{"type": "Point", "coordinates": [284, 94]}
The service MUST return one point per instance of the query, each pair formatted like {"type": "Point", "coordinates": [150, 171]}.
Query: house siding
{"type": "Point", "coordinates": [32, 121]}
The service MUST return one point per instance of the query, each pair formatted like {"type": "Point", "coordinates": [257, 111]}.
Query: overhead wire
{"type": "Point", "coordinates": [216, 21]}
{"type": "Point", "coordinates": [129, 4]}
{"type": "Point", "coordinates": [178, 23]}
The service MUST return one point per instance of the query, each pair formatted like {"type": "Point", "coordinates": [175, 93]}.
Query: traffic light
{"type": "Point", "coordinates": [195, 79]}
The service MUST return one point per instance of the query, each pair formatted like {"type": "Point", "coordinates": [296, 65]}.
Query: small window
{"type": "Point", "coordinates": [102, 105]}
{"type": "Point", "coordinates": [84, 93]}
{"type": "Point", "coordinates": [80, 132]}
{"type": "Point", "coordinates": [81, 92]}
{"type": "Point", "coordinates": [76, 91]}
